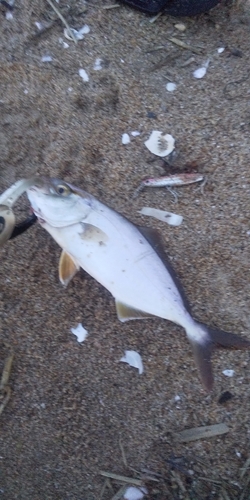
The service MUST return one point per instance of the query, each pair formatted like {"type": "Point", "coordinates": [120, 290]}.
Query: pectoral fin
{"type": "Point", "coordinates": [67, 268]}
{"type": "Point", "coordinates": [126, 313]}
{"type": "Point", "coordinates": [93, 234]}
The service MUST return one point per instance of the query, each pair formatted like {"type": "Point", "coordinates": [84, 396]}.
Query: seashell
{"type": "Point", "coordinates": [159, 144]}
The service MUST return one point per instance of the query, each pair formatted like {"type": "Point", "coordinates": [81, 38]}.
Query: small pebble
{"type": "Point", "coordinates": [180, 26]}
{"type": "Point", "coordinates": [225, 397]}
{"type": "Point", "coordinates": [171, 86]}
{"type": "Point", "coordinates": [151, 114]}
{"type": "Point", "coordinates": [220, 50]}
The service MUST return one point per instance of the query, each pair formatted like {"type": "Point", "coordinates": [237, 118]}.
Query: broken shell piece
{"type": "Point", "coordinates": [133, 358]}
{"type": "Point", "coordinates": [200, 72]}
{"type": "Point", "coordinates": [98, 64]}
{"type": "Point", "coordinates": [133, 493]}
{"type": "Point", "coordinates": [79, 34]}
{"type": "Point", "coordinates": [9, 16]}
{"type": "Point", "coordinates": [228, 373]}
{"type": "Point", "coordinates": [170, 218]}
{"type": "Point", "coordinates": [170, 86]}
{"type": "Point", "coordinates": [83, 74]}
{"type": "Point", "coordinates": [80, 333]}
{"type": "Point", "coordinates": [125, 139]}
{"type": "Point", "coordinates": [160, 145]}
{"type": "Point", "coordinates": [220, 50]}
{"type": "Point", "coordinates": [46, 58]}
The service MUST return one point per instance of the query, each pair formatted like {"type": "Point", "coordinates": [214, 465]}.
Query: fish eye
{"type": "Point", "coordinates": [62, 190]}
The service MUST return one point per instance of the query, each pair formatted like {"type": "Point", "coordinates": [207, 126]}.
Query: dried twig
{"type": "Point", "coordinates": [63, 20]}
{"type": "Point", "coordinates": [123, 453]}
{"type": "Point", "coordinates": [202, 432]}
{"type": "Point", "coordinates": [122, 479]}
{"type": "Point", "coordinates": [244, 469]}
{"type": "Point", "coordinates": [113, 6]}
{"type": "Point", "coordinates": [184, 45]}
{"type": "Point", "coordinates": [4, 381]}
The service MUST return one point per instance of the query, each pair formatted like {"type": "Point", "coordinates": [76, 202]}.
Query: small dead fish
{"type": "Point", "coordinates": [127, 260]}
{"type": "Point", "coordinates": [172, 180]}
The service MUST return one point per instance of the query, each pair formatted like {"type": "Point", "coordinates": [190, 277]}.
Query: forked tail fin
{"type": "Point", "coordinates": [203, 348]}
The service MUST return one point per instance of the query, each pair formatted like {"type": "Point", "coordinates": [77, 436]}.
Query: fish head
{"type": "Point", "coordinates": [7, 223]}
{"type": "Point", "coordinates": [58, 203]}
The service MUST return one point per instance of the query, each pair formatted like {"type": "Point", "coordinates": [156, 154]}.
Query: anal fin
{"type": "Point", "coordinates": [126, 313]}
{"type": "Point", "coordinates": [67, 268]}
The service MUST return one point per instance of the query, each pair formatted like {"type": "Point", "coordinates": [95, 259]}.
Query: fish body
{"type": "Point", "coordinates": [123, 259]}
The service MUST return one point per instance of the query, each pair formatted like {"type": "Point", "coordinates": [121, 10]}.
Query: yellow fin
{"type": "Point", "coordinates": [125, 313]}
{"type": "Point", "coordinates": [67, 268]}
{"type": "Point", "coordinates": [93, 233]}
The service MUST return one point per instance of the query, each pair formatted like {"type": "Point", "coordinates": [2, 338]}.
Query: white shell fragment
{"type": "Point", "coordinates": [46, 59]}
{"type": "Point", "coordinates": [133, 493]}
{"type": "Point", "coordinates": [64, 44]}
{"type": "Point", "coordinates": [125, 139]}
{"type": "Point", "coordinates": [220, 50]}
{"type": "Point", "coordinates": [83, 74]}
{"type": "Point", "coordinates": [159, 144]}
{"type": "Point", "coordinates": [200, 72]}
{"type": "Point", "coordinates": [9, 16]}
{"type": "Point", "coordinates": [39, 25]}
{"type": "Point", "coordinates": [228, 373]}
{"type": "Point", "coordinates": [133, 358]}
{"type": "Point", "coordinates": [80, 333]}
{"type": "Point", "coordinates": [135, 133]}
{"type": "Point", "coordinates": [98, 64]}
{"type": "Point", "coordinates": [170, 218]}
{"type": "Point", "coordinates": [79, 34]}
{"type": "Point", "coordinates": [171, 86]}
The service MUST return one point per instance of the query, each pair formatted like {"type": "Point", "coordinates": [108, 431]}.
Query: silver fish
{"type": "Point", "coordinates": [126, 260]}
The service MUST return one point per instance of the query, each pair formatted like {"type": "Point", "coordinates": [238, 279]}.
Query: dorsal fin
{"type": "Point", "coordinates": [67, 268]}
{"type": "Point", "coordinates": [154, 239]}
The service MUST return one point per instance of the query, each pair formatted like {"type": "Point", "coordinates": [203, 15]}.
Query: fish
{"type": "Point", "coordinates": [129, 261]}
{"type": "Point", "coordinates": [172, 180]}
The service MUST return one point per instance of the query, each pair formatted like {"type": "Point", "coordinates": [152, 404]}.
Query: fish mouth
{"type": "Point", "coordinates": [38, 215]}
